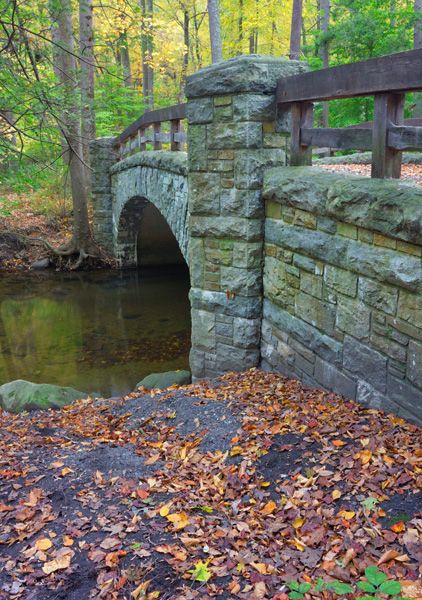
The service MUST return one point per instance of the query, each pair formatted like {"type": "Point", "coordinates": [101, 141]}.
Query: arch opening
{"type": "Point", "coordinates": [156, 244]}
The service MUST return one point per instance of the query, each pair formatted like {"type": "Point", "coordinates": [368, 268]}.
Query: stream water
{"type": "Point", "coordinates": [97, 332]}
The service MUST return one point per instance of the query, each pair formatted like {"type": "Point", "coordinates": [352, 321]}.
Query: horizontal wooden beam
{"type": "Point", "coordinates": [170, 113]}
{"type": "Point", "coordinates": [401, 72]}
{"type": "Point", "coordinates": [405, 138]}
{"type": "Point", "coordinates": [341, 139]}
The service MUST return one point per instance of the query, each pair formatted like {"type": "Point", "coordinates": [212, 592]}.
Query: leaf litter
{"type": "Point", "coordinates": [221, 489]}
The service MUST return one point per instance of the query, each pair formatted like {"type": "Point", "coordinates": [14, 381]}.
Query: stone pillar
{"type": "Point", "coordinates": [233, 135]}
{"type": "Point", "coordinates": [103, 156]}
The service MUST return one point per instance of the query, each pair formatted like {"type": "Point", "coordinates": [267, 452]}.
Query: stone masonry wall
{"type": "Point", "coordinates": [103, 156]}
{"type": "Point", "coordinates": [343, 286]}
{"type": "Point", "coordinates": [232, 137]}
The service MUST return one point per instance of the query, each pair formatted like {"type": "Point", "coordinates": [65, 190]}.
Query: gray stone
{"type": "Point", "coordinates": [372, 398]}
{"type": "Point", "coordinates": [353, 317]}
{"type": "Point", "coordinates": [249, 166]}
{"type": "Point", "coordinates": [203, 329]}
{"type": "Point", "coordinates": [366, 363]}
{"type": "Point", "coordinates": [204, 193]}
{"type": "Point", "coordinates": [42, 263]}
{"type": "Point", "coordinates": [250, 73]}
{"type": "Point", "coordinates": [20, 395]}
{"type": "Point", "coordinates": [200, 111]}
{"type": "Point", "coordinates": [254, 107]}
{"type": "Point", "coordinates": [219, 303]}
{"type": "Point", "coordinates": [414, 363]}
{"type": "Point", "coordinates": [407, 397]}
{"type": "Point", "coordinates": [333, 379]}
{"type": "Point", "coordinates": [173, 162]}
{"type": "Point", "coordinates": [388, 206]}
{"type": "Point", "coordinates": [382, 297]}
{"type": "Point", "coordinates": [244, 282]}
{"type": "Point", "coordinates": [165, 380]}
{"type": "Point", "coordinates": [223, 135]}
{"type": "Point", "coordinates": [226, 227]}
{"type": "Point", "coordinates": [197, 139]}
{"type": "Point", "coordinates": [246, 332]}
{"type": "Point", "coordinates": [314, 311]}
{"type": "Point", "coordinates": [341, 280]}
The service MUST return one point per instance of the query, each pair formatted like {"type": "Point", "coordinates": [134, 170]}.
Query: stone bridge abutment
{"type": "Point", "coordinates": [312, 274]}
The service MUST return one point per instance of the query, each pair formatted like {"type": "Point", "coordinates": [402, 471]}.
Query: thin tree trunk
{"type": "Point", "coordinates": [198, 54]}
{"type": "Point", "coordinates": [185, 63]}
{"type": "Point", "coordinates": [215, 30]}
{"type": "Point", "coordinates": [325, 21]}
{"type": "Point", "coordinates": [147, 47]}
{"type": "Point", "coordinates": [240, 27]}
{"type": "Point", "coordinates": [66, 73]}
{"type": "Point", "coordinates": [296, 30]}
{"type": "Point", "coordinates": [124, 58]}
{"type": "Point", "coordinates": [86, 47]}
{"type": "Point", "coordinates": [417, 43]}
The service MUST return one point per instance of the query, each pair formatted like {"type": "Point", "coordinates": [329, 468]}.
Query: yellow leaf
{"type": "Point", "coordinates": [141, 590]}
{"type": "Point", "coordinates": [336, 494]}
{"type": "Point", "coordinates": [66, 471]}
{"type": "Point", "coordinates": [365, 456]}
{"type": "Point", "coordinates": [265, 484]}
{"type": "Point", "coordinates": [297, 523]}
{"type": "Point", "coordinates": [62, 562]}
{"type": "Point", "coordinates": [179, 520]}
{"type": "Point", "coordinates": [269, 508]}
{"type": "Point", "coordinates": [260, 567]}
{"type": "Point", "coordinates": [43, 544]}
{"type": "Point", "coordinates": [299, 544]}
{"type": "Point", "coordinates": [67, 540]}
{"type": "Point", "coordinates": [164, 510]}
{"type": "Point", "coordinates": [236, 450]}
{"type": "Point", "coordinates": [347, 514]}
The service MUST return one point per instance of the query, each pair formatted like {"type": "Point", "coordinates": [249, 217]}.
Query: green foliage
{"type": "Point", "coordinates": [201, 572]}
{"type": "Point", "coordinates": [377, 584]}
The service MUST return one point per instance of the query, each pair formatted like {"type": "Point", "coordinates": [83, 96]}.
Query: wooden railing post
{"type": "Point", "coordinates": [174, 128]}
{"type": "Point", "coordinates": [302, 116]}
{"type": "Point", "coordinates": [388, 110]}
{"type": "Point", "coordinates": [157, 128]}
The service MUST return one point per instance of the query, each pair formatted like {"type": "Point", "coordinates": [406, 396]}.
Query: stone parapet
{"type": "Point", "coordinates": [103, 155]}
{"type": "Point", "coordinates": [343, 286]}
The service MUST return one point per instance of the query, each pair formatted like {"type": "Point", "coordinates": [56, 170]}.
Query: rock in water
{"type": "Point", "coordinates": [42, 263]}
{"type": "Point", "coordinates": [17, 396]}
{"type": "Point", "coordinates": [164, 380]}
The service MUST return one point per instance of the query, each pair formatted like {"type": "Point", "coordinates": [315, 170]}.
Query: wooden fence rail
{"type": "Point", "coordinates": [147, 130]}
{"type": "Point", "coordinates": [386, 78]}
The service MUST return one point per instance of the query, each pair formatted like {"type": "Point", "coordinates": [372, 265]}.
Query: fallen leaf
{"type": "Point", "coordinates": [43, 544]}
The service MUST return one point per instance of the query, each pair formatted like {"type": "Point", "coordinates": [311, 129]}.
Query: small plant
{"type": "Point", "coordinates": [377, 585]}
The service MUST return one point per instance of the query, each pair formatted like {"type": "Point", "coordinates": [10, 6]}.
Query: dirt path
{"type": "Point", "coordinates": [252, 482]}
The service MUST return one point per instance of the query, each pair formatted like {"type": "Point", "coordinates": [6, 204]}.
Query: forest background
{"type": "Point", "coordinates": [71, 71]}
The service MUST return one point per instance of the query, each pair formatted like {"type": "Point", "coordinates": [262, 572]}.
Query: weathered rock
{"type": "Point", "coordinates": [42, 263]}
{"type": "Point", "coordinates": [20, 395]}
{"type": "Point", "coordinates": [165, 380]}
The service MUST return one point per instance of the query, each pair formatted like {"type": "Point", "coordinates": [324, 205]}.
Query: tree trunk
{"type": "Point", "coordinates": [296, 30]}
{"type": "Point", "coordinates": [86, 47]}
{"type": "Point", "coordinates": [325, 21]}
{"type": "Point", "coordinates": [147, 47]}
{"type": "Point", "coordinates": [417, 43]}
{"type": "Point", "coordinates": [240, 28]}
{"type": "Point", "coordinates": [186, 48]}
{"type": "Point", "coordinates": [124, 58]}
{"type": "Point", "coordinates": [215, 30]}
{"type": "Point", "coordinates": [66, 73]}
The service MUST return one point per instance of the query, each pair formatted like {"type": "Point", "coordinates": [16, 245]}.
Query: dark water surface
{"type": "Point", "coordinates": [97, 332]}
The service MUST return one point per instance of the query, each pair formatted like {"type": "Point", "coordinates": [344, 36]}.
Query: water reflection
{"type": "Point", "coordinates": [98, 332]}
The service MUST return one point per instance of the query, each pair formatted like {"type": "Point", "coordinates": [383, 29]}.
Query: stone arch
{"type": "Point", "coordinates": [150, 194]}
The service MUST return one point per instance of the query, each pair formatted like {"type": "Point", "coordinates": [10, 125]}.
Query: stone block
{"type": "Point", "coordinates": [372, 398]}
{"type": "Point", "coordinates": [414, 363]}
{"type": "Point", "coordinates": [303, 365]}
{"type": "Point", "coordinates": [407, 397]}
{"type": "Point", "coordinates": [246, 332]}
{"type": "Point", "coordinates": [200, 111]}
{"type": "Point", "coordinates": [226, 227]}
{"type": "Point", "coordinates": [197, 156]}
{"type": "Point", "coordinates": [333, 379]}
{"type": "Point", "coordinates": [223, 100]}
{"type": "Point", "coordinates": [311, 284]}
{"type": "Point", "coordinates": [304, 219]}
{"type": "Point", "coordinates": [353, 317]}
{"type": "Point", "coordinates": [234, 135]}
{"type": "Point", "coordinates": [314, 311]}
{"type": "Point", "coordinates": [302, 350]}
{"type": "Point", "coordinates": [254, 107]}
{"type": "Point", "coordinates": [204, 193]}
{"type": "Point", "coordinates": [380, 296]}
{"type": "Point", "coordinates": [197, 363]}
{"type": "Point", "coordinates": [304, 263]}
{"type": "Point", "coordinates": [389, 347]}
{"type": "Point", "coordinates": [229, 358]}
{"type": "Point", "coordinates": [410, 308]}
{"type": "Point", "coordinates": [203, 330]}
{"type": "Point", "coordinates": [366, 363]}
{"type": "Point", "coordinates": [249, 166]}
{"type": "Point", "coordinates": [341, 280]}
{"type": "Point", "coordinates": [219, 303]}
{"type": "Point", "coordinates": [241, 281]}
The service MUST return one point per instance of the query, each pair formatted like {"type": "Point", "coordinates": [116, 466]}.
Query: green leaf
{"type": "Point", "coordinates": [295, 595]}
{"type": "Point", "coordinates": [304, 587]}
{"type": "Point", "coordinates": [369, 503]}
{"type": "Point", "coordinates": [390, 588]}
{"type": "Point", "coordinates": [340, 588]}
{"type": "Point", "coordinates": [375, 576]}
{"type": "Point", "coordinates": [320, 585]}
{"type": "Point", "coordinates": [366, 587]}
{"type": "Point", "coordinates": [201, 572]}
{"type": "Point", "coordinates": [293, 585]}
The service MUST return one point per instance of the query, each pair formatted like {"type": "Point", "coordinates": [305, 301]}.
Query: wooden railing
{"type": "Point", "coordinates": [148, 130]}
{"type": "Point", "coordinates": [387, 79]}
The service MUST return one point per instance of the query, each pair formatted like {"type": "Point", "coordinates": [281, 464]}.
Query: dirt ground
{"type": "Point", "coordinates": [223, 489]}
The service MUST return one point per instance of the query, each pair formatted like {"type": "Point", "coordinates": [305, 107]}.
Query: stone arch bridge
{"type": "Point", "coordinates": [313, 274]}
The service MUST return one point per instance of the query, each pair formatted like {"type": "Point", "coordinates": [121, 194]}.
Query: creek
{"type": "Point", "coordinates": [100, 332]}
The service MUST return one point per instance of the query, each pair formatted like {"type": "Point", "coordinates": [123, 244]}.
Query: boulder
{"type": "Point", "coordinates": [42, 263]}
{"type": "Point", "coordinates": [165, 380]}
{"type": "Point", "coordinates": [20, 395]}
